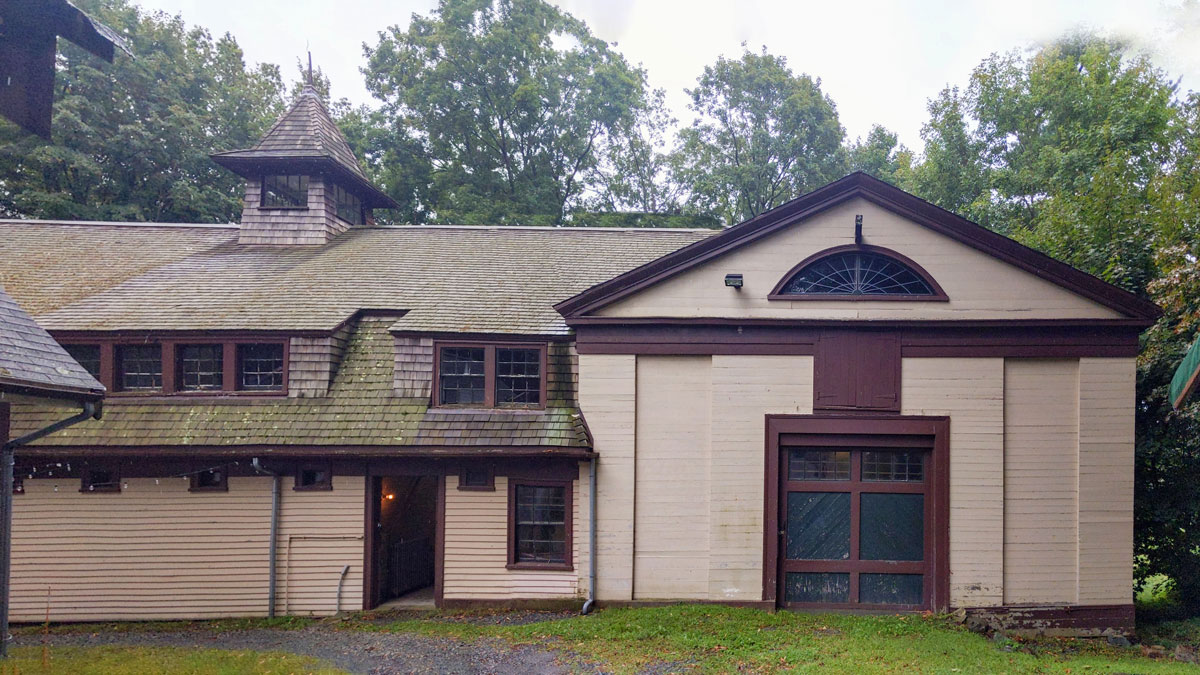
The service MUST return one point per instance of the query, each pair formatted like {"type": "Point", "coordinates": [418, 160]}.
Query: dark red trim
{"type": "Point", "coordinates": [568, 521]}
{"type": "Point", "coordinates": [170, 366]}
{"type": "Point", "coordinates": [945, 338]}
{"type": "Point", "coordinates": [371, 497]}
{"type": "Point", "coordinates": [1078, 620]}
{"type": "Point", "coordinates": [859, 184]}
{"type": "Point", "coordinates": [528, 604]}
{"type": "Point", "coordinates": [837, 425]}
{"type": "Point", "coordinates": [938, 294]}
{"type": "Point", "coordinates": [301, 451]}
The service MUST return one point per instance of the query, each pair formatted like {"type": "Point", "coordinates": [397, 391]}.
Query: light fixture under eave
{"type": "Point", "coordinates": [733, 281]}
{"type": "Point", "coordinates": [389, 496]}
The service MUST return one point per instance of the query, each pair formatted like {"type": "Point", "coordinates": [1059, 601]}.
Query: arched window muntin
{"type": "Point", "coordinates": [858, 272]}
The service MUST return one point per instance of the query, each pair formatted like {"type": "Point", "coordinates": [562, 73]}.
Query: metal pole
{"type": "Point", "coordinates": [273, 547]}
{"type": "Point", "coordinates": [6, 504]}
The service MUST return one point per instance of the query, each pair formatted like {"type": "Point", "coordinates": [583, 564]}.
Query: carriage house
{"type": "Point", "coordinates": [854, 401]}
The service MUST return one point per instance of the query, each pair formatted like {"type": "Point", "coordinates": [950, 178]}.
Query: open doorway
{"type": "Point", "coordinates": [405, 527]}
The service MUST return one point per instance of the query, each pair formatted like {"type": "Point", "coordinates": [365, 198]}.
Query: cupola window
{"type": "Point", "coordinates": [349, 206]}
{"type": "Point", "coordinates": [285, 191]}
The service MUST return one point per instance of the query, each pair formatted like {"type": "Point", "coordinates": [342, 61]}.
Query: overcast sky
{"type": "Point", "coordinates": [880, 60]}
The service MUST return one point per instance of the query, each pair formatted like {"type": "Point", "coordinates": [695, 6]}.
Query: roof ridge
{"type": "Point", "coordinates": [119, 223]}
{"type": "Point", "coordinates": [562, 228]}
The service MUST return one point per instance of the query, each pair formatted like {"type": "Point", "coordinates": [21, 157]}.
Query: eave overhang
{"type": "Point", "coordinates": [254, 164]}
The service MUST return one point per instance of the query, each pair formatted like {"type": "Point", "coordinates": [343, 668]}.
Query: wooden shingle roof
{"type": "Point", "coordinates": [31, 362]}
{"type": "Point", "coordinates": [444, 278]}
{"type": "Point", "coordinates": [306, 140]}
{"type": "Point", "coordinates": [361, 410]}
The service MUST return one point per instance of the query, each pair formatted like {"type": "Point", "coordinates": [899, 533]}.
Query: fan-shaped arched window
{"type": "Point", "coordinates": [859, 272]}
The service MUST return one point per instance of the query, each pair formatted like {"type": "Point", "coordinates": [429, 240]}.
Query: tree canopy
{"type": "Point", "coordinates": [132, 138]}
{"type": "Point", "coordinates": [762, 135]}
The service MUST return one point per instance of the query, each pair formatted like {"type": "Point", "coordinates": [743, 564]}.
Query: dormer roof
{"type": "Point", "coordinates": [305, 140]}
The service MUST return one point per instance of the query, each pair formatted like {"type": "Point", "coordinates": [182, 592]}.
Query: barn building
{"type": "Point", "coordinates": [855, 401]}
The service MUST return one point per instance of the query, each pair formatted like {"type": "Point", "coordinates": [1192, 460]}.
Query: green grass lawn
{"type": "Point", "coordinates": [143, 660]}
{"type": "Point", "coordinates": [686, 638]}
{"type": "Point", "coordinates": [721, 639]}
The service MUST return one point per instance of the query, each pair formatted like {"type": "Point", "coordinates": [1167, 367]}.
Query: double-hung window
{"type": "Point", "coordinates": [490, 376]}
{"type": "Point", "coordinates": [539, 524]}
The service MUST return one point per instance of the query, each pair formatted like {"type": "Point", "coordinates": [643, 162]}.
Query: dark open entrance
{"type": "Point", "coordinates": [405, 524]}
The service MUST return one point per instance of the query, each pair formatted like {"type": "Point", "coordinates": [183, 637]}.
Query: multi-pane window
{"type": "Point", "coordinates": [88, 356]}
{"type": "Point", "coordinates": [893, 466]}
{"type": "Point", "coordinates": [284, 191]}
{"type": "Point", "coordinates": [540, 534]}
{"type": "Point", "coordinates": [490, 376]}
{"type": "Point", "coordinates": [260, 367]}
{"type": "Point", "coordinates": [139, 367]}
{"type": "Point", "coordinates": [855, 526]}
{"type": "Point", "coordinates": [201, 367]}
{"type": "Point", "coordinates": [349, 206]}
{"type": "Point", "coordinates": [518, 376]}
{"type": "Point", "coordinates": [462, 376]}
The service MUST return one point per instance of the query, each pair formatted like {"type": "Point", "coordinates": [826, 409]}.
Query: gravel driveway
{"type": "Point", "coordinates": [377, 653]}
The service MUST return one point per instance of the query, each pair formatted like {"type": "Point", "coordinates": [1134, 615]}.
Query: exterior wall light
{"type": "Point", "coordinates": [733, 281]}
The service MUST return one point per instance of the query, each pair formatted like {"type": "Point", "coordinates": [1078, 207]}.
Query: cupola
{"type": "Point", "coordinates": [303, 183]}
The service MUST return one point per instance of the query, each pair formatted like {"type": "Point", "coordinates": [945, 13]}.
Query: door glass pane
{"type": "Point", "coordinates": [816, 587]}
{"type": "Point", "coordinates": [892, 527]}
{"type": "Point", "coordinates": [891, 589]}
{"type": "Point", "coordinates": [818, 525]}
{"type": "Point", "coordinates": [819, 465]}
{"type": "Point", "coordinates": [893, 466]}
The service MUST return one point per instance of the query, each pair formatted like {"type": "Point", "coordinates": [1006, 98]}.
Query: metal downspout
{"type": "Point", "coordinates": [273, 548]}
{"type": "Point", "coordinates": [591, 601]}
{"type": "Point", "coordinates": [90, 410]}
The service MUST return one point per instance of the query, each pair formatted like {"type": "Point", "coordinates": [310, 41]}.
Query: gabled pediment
{"type": "Point", "coordinates": [977, 274]}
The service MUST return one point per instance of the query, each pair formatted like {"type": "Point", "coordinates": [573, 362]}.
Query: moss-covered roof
{"type": "Point", "coordinates": [448, 279]}
{"type": "Point", "coordinates": [362, 409]}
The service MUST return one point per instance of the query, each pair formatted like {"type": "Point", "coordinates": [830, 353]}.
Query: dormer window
{"type": "Point", "coordinates": [201, 367]}
{"type": "Point", "coordinates": [490, 376]}
{"type": "Point", "coordinates": [198, 366]}
{"type": "Point", "coordinates": [285, 192]}
{"type": "Point", "coordinates": [139, 367]}
{"type": "Point", "coordinates": [349, 206]}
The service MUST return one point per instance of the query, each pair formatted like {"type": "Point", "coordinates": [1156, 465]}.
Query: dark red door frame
{"type": "Point", "coordinates": [830, 428]}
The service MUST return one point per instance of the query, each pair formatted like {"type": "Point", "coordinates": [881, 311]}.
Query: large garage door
{"type": "Point", "coordinates": [855, 526]}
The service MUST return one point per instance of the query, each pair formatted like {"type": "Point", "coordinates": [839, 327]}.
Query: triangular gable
{"type": "Point", "coordinates": [1055, 276]}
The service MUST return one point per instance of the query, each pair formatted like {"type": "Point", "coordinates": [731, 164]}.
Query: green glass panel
{"type": "Point", "coordinates": [892, 527]}
{"type": "Point", "coordinates": [816, 587]}
{"type": "Point", "coordinates": [891, 589]}
{"type": "Point", "coordinates": [818, 525]}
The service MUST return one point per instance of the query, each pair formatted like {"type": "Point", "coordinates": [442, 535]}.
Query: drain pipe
{"type": "Point", "coordinates": [338, 608]}
{"type": "Point", "coordinates": [91, 410]}
{"type": "Point", "coordinates": [273, 549]}
{"type": "Point", "coordinates": [591, 601]}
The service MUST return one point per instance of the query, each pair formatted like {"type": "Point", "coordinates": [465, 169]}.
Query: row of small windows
{"type": "Point", "coordinates": [216, 479]}
{"type": "Point", "coordinates": [198, 367]}
{"type": "Point", "coordinates": [289, 192]}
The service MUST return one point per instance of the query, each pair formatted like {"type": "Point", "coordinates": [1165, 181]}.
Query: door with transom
{"type": "Point", "coordinates": [855, 516]}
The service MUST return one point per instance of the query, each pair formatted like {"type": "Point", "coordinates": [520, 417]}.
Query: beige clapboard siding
{"type": "Point", "coordinates": [671, 506]}
{"type": "Point", "coordinates": [157, 551]}
{"type": "Point", "coordinates": [1041, 478]}
{"type": "Point", "coordinates": [1106, 442]}
{"type": "Point", "coordinates": [607, 395]}
{"type": "Point", "coordinates": [476, 549]}
{"type": "Point", "coordinates": [321, 532]}
{"type": "Point", "coordinates": [979, 286]}
{"type": "Point", "coordinates": [744, 390]}
{"type": "Point", "coordinates": [971, 392]}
